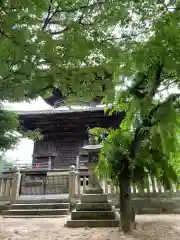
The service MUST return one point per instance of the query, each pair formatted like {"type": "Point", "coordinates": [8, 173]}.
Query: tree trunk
{"type": "Point", "coordinates": [127, 214]}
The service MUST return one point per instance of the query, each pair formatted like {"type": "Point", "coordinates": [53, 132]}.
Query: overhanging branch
{"type": "Point", "coordinates": [140, 133]}
{"type": "Point", "coordinates": [46, 21]}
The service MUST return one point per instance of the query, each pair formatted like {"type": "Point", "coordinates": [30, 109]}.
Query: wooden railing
{"type": "Point", "coordinates": [27, 166]}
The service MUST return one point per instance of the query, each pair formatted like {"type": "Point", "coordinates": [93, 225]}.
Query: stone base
{"type": "Point", "coordinates": [94, 210]}
{"type": "Point", "coordinates": [94, 206]}
{"type": "Point", "coordinates": [92, 215]}
{"type": "Point", "coordinates": [94, 198]}
{"type": "Point", "coordinates": [92, 223]}
{"type": "Point", "coordinates": [92, 190]}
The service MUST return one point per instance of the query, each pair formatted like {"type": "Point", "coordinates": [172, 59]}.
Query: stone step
{"type": "Point", "coordinates": [41, 206]}
{"type": "Point", "coordinates": [36, 212]}
{"type": "Point", "coordinates": [87, 215]}
{"type": "Point", "coordinates": [34, 216]}
{"type": "Point", "coordinates": [41, 200]}
{"type": "Point", "coordinates": [94, 206]}
{"type": "Point", "coordinates": [92, 223]}
{"type": "Point", "coordinates": [94, 198]}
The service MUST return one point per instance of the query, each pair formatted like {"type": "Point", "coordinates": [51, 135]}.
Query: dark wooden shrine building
{"type": "Point", "coordinates": [64, 131]}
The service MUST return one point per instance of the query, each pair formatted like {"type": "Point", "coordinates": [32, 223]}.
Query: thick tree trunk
{"type": "Point", "coordinates": [127, 214]}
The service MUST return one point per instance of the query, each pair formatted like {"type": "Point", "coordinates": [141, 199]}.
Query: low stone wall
{"type": "Point", "coordinates": [152, 203]}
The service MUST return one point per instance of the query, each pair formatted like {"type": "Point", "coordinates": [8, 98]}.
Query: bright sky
{"type": "Point", "coordinates": [24, 150]}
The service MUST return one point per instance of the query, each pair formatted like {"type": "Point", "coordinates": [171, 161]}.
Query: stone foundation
{"type": "Point", "coordinates": [94, 210]}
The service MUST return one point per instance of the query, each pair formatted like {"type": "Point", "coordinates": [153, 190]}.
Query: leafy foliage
{"type": "Point", "coordinates": [68, 44]}
{"type": "Point", "coordinates": [10, 131]}
{"type": "Point", "coordinates": [52, 43]}
{"type": "Point", "coordinates": [63, 43]}
{"type": "Point", "coordinates": [71, 44]}
{"type": "Point", "coordinates": [8, 125]}
{"type": "Point", "coordinates": [148, 137]}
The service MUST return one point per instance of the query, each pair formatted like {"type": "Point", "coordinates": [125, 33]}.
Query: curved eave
{"type": "Point", "coordinates": [55, 101]}
{"type": "Point", "coordinates": [62, 111]}
{"type": "Point", "coordinates": [73, 119]}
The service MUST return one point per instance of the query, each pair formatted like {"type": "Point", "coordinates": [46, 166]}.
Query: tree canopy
{"type": "Point", "coordinates": [8, 125]}
{"type": "Point", "coordinates": [72, 44]}
{"type": "Point", "coordinates": [62, 43]}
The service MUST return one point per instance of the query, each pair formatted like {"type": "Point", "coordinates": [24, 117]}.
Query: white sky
{"type": "Point", "coordinates": [24, 150]}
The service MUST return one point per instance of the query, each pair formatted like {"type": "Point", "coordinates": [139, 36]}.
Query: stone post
{"type": "Point", "coordinates": [78, 183]}
{"type": "Point", "coordinates": [3, 186]}
{"type": "Point", "coordinates": [105, 186]}
{"type": "Point", "coordinates": [153, 180]}
{"type": "Point", "coordinates": [15, 185]}
{"type": "Point", "coordinates": [72, 177]}
{"type": "Point", "coordinates": [7, 187]}
{"type": "Point", "coordinates": [77, 163]}
{"type": "Point", "coordinates": [49, 163]}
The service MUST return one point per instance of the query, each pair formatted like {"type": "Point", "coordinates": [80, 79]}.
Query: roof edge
{"type": "Point", "coordinates": [57, 111]}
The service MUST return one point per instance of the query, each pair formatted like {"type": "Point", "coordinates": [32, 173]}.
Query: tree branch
{"type": "Point", "coordinates": [46, 21]}
{"type": "Point", "coordinates": [167, 86]}
{"type": "Point", "coordinates": [140, 132]}
{"type": "Point", "coordinates": [83, 7]}
{"type": "Point", "coordinates": [157, 81]}
{"type": "Point", "coordinates": [15, 42]}
{"type": "Point", "coordinates": [147, 122]}
{"type": "Point", "coordinates": [49, 18]}
{"type": "Point", "coordinates": [60, 31]}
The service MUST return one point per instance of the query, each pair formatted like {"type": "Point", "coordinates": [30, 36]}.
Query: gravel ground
{"type": "Point", "coordinates": [161, 227]}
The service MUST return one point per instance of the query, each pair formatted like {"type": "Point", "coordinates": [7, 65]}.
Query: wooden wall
{"type": "Point", "coordinates": [65, 151]}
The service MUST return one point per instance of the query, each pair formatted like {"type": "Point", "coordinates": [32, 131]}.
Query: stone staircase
{"type": "Point", "coordinates": [94, 210]}
{"type": "Point", "coordinates": [43, 208]}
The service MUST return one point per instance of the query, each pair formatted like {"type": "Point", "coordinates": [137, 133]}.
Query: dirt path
{"type": "Point", "coordinates": [150, 227]}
